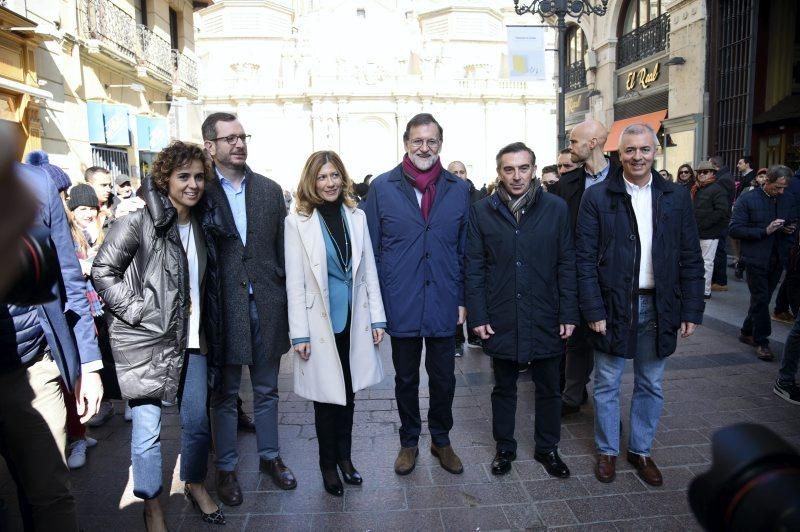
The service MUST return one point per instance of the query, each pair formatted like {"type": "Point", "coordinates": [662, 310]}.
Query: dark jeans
{"type": "Point", "coordinates": [791, 354]}
{"type": "Point", "coordinates": [720, 275]}
{"type": "Point", "coordinates": [578, 366]}
{"type": "Point", "coordinates": [782, 300]}
{"type": "Point", "coordinates": [334, 423]}
{"type": "Point", "coordinates": [761, 282]}
{"type": "Point", "coordinates": [440, 365]}
{"type": "Point", "coordinates": [547, 420]}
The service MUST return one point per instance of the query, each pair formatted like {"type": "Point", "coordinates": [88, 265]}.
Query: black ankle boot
{"type": "Point", "coordinates": [330, 479]}
{"type": "Point", "coordinates": [349, 473]}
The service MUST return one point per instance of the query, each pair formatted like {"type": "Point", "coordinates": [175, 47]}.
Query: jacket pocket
{"type": "Point", "coordinates": [310, 298]}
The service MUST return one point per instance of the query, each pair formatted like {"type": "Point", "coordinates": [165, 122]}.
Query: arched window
{"type": "Point", "coordinates": [576, 44]}
{"type": "Point", "coordinates": [639, 12]}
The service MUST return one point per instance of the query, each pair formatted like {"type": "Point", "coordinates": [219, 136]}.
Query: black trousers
{"type": "Point", "coordinates": [334, 423]}
{"type": "Point", "coordinates": [762, 283]}
{"type": "Point", "coordinates": [440, 365]}
{"type": "Point", "coordinates": [720, 273]}
{"type": "Point", "coordinates": [547, 423]}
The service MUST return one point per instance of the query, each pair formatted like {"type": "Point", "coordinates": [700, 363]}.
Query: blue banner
{"type": "Point", "coordinates": [117, 128]}
{"type": "Point", "coordinates": [97, 132]}
{"type": "Point", "coordinates": [526, 53]}
{"type": "Point", "coordinates": [143, 133]}
{"type": "Point", "coordinates": [159, 133]}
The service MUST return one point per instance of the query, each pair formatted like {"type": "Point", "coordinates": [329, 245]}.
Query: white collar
{"type": "Point", "coordinates": [630, 187]}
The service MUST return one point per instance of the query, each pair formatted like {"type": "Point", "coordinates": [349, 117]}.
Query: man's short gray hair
{"type": "Point", "coordinates": [639, 129]}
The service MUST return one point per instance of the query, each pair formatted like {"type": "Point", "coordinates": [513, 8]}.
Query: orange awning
{"type": "Point", "coordinates": [651, 119]}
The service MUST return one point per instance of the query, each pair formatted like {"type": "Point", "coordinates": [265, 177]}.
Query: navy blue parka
{"type": "Point", "coordinates": [420, 264]}
{"type": "Point", "coordinates": [608, 255]}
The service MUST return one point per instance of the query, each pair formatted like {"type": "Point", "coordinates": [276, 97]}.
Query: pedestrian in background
{"type": "Point", "coordinates": [712, 214]}
{"type": "Point", "coordinates": [336, 318]}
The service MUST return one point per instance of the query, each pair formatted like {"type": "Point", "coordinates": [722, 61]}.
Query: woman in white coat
{"type": "Point", "coordinates": [336, 316]}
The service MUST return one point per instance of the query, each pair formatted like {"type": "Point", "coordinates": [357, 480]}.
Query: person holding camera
{"type": "Point", "coordinates": [764, 221]}
{"type": "Point", "coordinates": [41, 343]}
{"type": "Point", "coordinates": [156, 272]}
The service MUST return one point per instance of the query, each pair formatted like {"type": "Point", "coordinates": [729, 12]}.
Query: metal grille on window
{"type": "Point", "coordinates": [115, 159]}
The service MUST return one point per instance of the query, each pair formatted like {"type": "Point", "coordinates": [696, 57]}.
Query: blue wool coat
{"type": "Point", "coordinates": [752, 214]}
{"type": "Point", "coordinates": [607, 251]}
{"type": "Point", "coordinates": [420, 264]}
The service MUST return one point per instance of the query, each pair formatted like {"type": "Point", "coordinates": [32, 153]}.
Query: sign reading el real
{"type": "Point", "coordinates": [641, 78]}
{"type": "Point", "coordinates": [577, 102]}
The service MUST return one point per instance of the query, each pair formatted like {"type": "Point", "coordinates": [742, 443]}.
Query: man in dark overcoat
{"type": "Point", "coordinates": [522, 299]}
{"type": "Point", "coordinates": [250, 213]}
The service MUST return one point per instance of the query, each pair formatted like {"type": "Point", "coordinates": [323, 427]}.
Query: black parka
{"type": "Point", "coordinates": [520, 278]}
{"type": "Point", "coordinates": [711, 211]}
{"type": "Point", "coordinates": [141, 273]}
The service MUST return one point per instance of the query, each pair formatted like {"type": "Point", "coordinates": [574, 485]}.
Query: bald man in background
{"type": "Point", "coordinates": [586, 143]}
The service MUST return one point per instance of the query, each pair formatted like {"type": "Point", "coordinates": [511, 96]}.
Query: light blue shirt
{"type": "Point", "coordinates": [237, 203]}
{"type": "Point", "coordinates": [599, 178]}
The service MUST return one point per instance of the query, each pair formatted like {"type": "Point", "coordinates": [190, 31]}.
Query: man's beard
{"type": "Point", "coordinates": [424, 163]}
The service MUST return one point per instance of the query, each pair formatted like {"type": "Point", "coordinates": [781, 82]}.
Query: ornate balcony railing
{"type": "Point", "coordinates": [103, 21]}
{"type": "Point", "coordinates": [185, 74]}
{"type": "Point", "coordinates": [576, 76]}
{"type": "Point", "coordinates": [156, 52]}
{"type": "Point", "coordinates": [644, 41]}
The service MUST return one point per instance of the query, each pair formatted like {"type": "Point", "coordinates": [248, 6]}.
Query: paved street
{"type": "Point", "coordinates": [712, 381]}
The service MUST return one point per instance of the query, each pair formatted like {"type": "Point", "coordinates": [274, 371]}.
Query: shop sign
{"type": "Point", "coordinates": [576, 103]}
{"type": "Point", "coordinates": [642, 78]}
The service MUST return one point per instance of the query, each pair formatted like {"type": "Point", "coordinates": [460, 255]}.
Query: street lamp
{"type": "Point", "coordinates": [560, 9]}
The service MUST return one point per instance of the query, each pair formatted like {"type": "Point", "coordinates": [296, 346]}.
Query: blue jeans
{"type": "Point", "coordinates": [791, 354]}
{"type": "Point", "coordinates": [647, 398]}
{"type": "Point", "coordinates": [264, 376]}
{"type": "Point", "coordinates": [195, 435]}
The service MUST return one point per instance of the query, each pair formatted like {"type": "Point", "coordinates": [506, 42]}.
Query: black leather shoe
{"type": "Point", "coordinates": [502, 462]}
{"type": "Point", "coordinates": [281, 475]}
{"type": "Point", "coordinates": [552, 464]}
{"type": "Point", "coordinates": [349, 473]}
{"type": "Point", "coordinates": [330, 479]}
{"type": "Point", "coordinates": [228, 489]}
{"type": "Point", "coordinates": [568, 409]}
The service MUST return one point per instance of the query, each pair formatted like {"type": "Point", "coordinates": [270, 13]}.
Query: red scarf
{"type": "Point", "coordinates": [424, 181]}
{"type": "Point", "coordinates": [697, 185]}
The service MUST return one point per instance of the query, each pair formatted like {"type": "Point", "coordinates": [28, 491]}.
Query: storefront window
{"type": "Point", "coordinates": [639, 12]}
{"type": "Point", "coordinates": [576, 44]}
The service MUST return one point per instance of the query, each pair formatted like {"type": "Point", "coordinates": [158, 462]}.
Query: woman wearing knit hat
{"type": "Point", "coordinates": [42, 160]}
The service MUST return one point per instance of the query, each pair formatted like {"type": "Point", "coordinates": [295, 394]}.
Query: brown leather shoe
{"type": "Point", "coordinates": [406, 460]}
{"type": "Point", "coordinates": [606, 468]}
{"type": "Point", "coordinates": [228, 489]}
{"type": "Point", "coordinates": [281, 475]}
{"type": "Point", "coordinates": [448, 459]}
{"type": "Point", "coordinates": [647, 469]}
{"type": "Point", "coordinates": [764, 353]}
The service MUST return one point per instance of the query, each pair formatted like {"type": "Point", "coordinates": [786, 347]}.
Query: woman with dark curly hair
{"type": "Point", "coordinates": [685, 176]}
{"type": "Point", "coordinates": [156, 273]}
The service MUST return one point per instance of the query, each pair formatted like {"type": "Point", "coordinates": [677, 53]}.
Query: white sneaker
{"type": "Point", "coordinates": [77, 454]}
{"type": "Point", "coordinates": [128, 412]}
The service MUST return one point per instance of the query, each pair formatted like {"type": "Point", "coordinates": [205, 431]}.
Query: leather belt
{"type": "Point", "coordinates": [646, 292]}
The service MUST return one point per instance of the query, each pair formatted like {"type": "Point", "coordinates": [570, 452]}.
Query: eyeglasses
{"type": "Point", "coordinates": [684, 172]}
{"type": "Point", "coordinates": [231, 139]}
{"type": "Point", "coordinates": [561, 165]}
{"type": "Point", "coordinates": [705, 171]}
{"type": "Point", "coordinates": [432, 143]}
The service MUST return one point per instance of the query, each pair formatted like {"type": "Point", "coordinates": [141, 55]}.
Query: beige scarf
{"type": "Point", "coordinates": [519, 205]}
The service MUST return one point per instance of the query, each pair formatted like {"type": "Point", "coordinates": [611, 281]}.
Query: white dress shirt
{"type": "Point", "coordinates": [642, 201]}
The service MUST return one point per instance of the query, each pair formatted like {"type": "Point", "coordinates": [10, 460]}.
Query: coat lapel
{"type": "Point", "coordinates": [311, 236]}
{"type": "Point", "coordinates": [356, 239]}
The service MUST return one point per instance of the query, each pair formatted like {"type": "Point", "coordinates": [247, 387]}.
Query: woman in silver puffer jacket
{"type": "Point", "coordinates": [155, 273]}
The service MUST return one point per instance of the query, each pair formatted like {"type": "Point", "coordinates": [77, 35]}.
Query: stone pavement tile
{"type": "Point", "coordinates": [660, 503]}
{"type": "Point", "coordinates": [256, 502]}
{"type": "Point", "coordinates": [576, 447]}
{"type": "Point", "coordinates": [408, 521]}
{"type": "Point", "coordinates": [297, 418]}
{"type": "Point", "coordinates": [673, 456]}
{"type": "Point", "coordinates": [774, 412]}
{"type": "Point", "coordinates": [370, 499]}
{"type": "Point", "coordinates": [193, 522]}
{"type": "Point", "coordinates": [606, 508]}
{"type": "Point", "coordinates": [531, 469]}
{"type": "Point", "coordinates": [675, 437]}
{"type": "Point", "coordinates": [278, 523]}
{"type": "Point", "coordinates": [374, 404]}
{"type": "Point", "coordinates": [684, 421]}
{"type": "Point", "coordinates": [689, 523]}
{"type": "Point", "coordinates": [385, 477]}
{"type": "Point", "coordinates": [474, 454]}
{"type": "Point", "coordinates": [593, 527]}
{"type": "Point", "coordinates": [297, 407]}
{"type": "Point", "coordinates": [121, 522]}
{"type": "Point", "coordinates": [344, 521]}
{"type": "Point", "coordinates": [465, 495]}
{"type": "Point", "coordinates": [555, 489]}
{"type": "Point", "coordinates": [578, 465]}
{"type": "Point", "coordinates": [624, 483]}
{"type": "Point", "coordinates": [523, 517]}
{"type": "Point", "coordinates": [650, 524]}
{"type": "Point", "coordinates": [473, 474]}
{"type": "Point", "coordinates": [555, 513]}
{"type": "Point", "coordinates": [578, 430]}
{"type": "Point", "coordinates": [717, 420]}
{"type": "Point", "coordinates": [484, 518]}
{"type": "Point", "coordinates": [376, 393]}
{"type": "Point", "coordinates": [308, 500]}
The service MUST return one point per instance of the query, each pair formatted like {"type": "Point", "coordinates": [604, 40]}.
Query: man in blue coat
{"type": "Point", "coordinates": [522, 300]}
{"type": "Point", "coordinates": [640, 281]}
{"type": "Point", "coordinates": [39, 346]}
{"type": "Point", "coordinates": [417, 215]}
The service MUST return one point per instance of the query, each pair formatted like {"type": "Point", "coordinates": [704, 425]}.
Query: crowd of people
{"type": "Point", "coordinates": [163, 296]}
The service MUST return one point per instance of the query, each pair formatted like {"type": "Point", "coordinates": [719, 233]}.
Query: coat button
{"type": "Point", "coordinates": [519, 296]}
{"type": "Point", "coordinates": [516, 232]}
{"type": "Point", "coordinates": [427, 283]}
{"type": "Point", "coordinates": [244, 284]}
{"type": "Point", "coordinates": [324, 315]}
{"type": "Point", "coordinates": [632, 237]}
{"type": "Point", "coordinates": [519, 263]}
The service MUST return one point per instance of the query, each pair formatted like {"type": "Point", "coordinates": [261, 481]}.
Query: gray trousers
{"type": "Point", "coordinates": [578, 365]}
{"type": "Point", "coordinates": [264, 377]}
